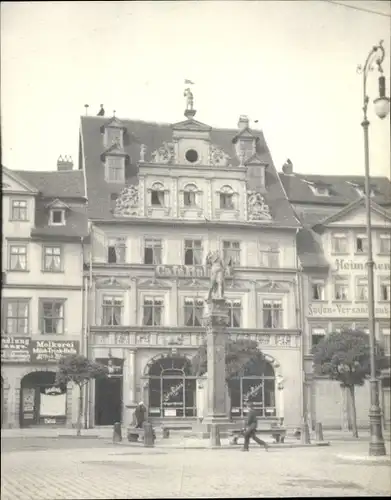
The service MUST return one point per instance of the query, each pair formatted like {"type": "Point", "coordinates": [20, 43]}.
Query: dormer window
{"type": "Point", "coordinates": [115, 169]}
{"type": "Point", "coordinates": [57, 217]}
{"type": "Point", "coordinates": [360, 189]}
{"type": "Point", "coordinates": [320, 190]}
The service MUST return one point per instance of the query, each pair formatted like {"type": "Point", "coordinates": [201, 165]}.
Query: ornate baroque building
{"type": "Point", "coordinates": [44, 230]}
{"type": "Point", "coordinates": [332, 248]}
{"type": "Point", "coordinates": [160, 197]}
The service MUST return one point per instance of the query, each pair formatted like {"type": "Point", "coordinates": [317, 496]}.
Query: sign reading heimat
{"type": "Point", "coordinates": [345, 311]}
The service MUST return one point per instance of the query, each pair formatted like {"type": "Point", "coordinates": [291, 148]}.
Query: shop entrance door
{"type": "Point", "coordinates": [108, 400]}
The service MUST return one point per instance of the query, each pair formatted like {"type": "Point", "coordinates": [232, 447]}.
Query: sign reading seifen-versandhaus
{"type": "Point", "coordinates": [26, 350]}
{"type": "Point", "coordinates": [342, 310]}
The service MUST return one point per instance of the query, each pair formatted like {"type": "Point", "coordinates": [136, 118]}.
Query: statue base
{"type": "Point", "coordinates": [190, 113]}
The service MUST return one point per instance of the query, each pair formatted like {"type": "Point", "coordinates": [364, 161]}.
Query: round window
{"type": "Point", "coordinates": [191, 155]}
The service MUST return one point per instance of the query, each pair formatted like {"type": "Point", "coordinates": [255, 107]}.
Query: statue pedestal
{"type": "Point", "coordinates": [216, 336]}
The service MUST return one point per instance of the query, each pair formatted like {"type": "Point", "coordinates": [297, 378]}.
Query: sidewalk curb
{"type": "Point", "coordinates": [222, 447]}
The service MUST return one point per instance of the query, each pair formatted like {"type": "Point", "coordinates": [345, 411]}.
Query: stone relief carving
{"type": "Point", "coordinates": [127, 203]}
{"type": "Point", "coordinates": [142, 339]}
{"type": "Point", "coordinates": [164, 154]}
{"type": "Point", "coordinates": [263, 339]}
{"type": "Point", "coordinates": [257, 208]}
{"type": "Point", "coordinates": [218, 157]}
{"type": "Point", "coordinates": [283, 340]}
{"type": "Point", "coordinates": [122, 338]}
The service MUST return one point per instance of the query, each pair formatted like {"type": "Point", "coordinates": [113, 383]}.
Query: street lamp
{"type": "Point", "coordinates": [382, 108]}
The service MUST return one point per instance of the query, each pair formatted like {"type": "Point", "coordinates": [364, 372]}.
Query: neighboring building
{"type": "Point", "coordinates": [332, 249]}
{"type": "Point", "coordinates": [44, 230]}
{"type": "Point", "coordinates": [160, 197]}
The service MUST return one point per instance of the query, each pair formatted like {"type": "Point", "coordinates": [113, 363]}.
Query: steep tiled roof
{"type": "Point", "coordinates": [76, 221]}
{"type": "Point", "coordinates": [61, 184]}
{"type": "Point", "coordinates": [310, 250]}
{"type": "Point", "coordinates": [341, 188]}
{"type": "Point", "coordinates": [151, 134]}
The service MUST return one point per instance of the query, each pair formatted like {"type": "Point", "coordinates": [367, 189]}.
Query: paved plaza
{"type": "Point", "coordinates": [50, 468]}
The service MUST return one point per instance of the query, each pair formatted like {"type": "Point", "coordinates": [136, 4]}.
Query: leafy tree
{"type": "Point", "coordinates": [239, 354]}
{"type": "Point", "coordinates": [77, 369]}
{"type": "Point", "coordinates": [345, 357]}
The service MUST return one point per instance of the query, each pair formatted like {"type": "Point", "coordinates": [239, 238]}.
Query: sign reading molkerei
{"type": "Point", "coordinates": [26, 350]}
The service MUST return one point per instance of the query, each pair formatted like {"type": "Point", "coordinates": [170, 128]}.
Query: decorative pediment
{"type": "Point", "coordinates": [57, 204]}
{"type": "Point", "coordinates": [111, 282]}
{"type": "Point", "coordinates": [154, 283]}
{"type": "Point", "coordinates": [191, 125]}
{"type": "Point", "coordinates": [256, 160]}
{"type": "Point", "coordinates": [194, 283]}
{"type": "Point", "coordinates": [115, 149]}
{"type": "Point", "coordinates": [164, 154]}
{"type": "Point", "coordinates": [271, 287]}
{"type": "Point", "coordinates": [218, 157]}
{"type": "Point", "coordinates": [11, 181]}
{"type": "Point", "coordinates": [257, 209]}
{"type": "Point", "coordinates": [244, 134]}
{"type": "Point", "coordinates": [126, 204]}
{"type": "Point", "coordinates": [114, 123]}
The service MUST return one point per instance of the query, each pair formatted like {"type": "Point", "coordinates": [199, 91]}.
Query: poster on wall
{"type": "Point", "coordinates": [15, 349]}
{"type": "Point", "coordinates": [52, 402]}
{"type": "Point", "coordinates": [28, 403]}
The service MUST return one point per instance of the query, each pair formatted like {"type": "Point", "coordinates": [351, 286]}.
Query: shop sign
{"type": "Point", "coordinates": [351, 265]}
{"type": "Point", "coordinates": [345, 311]}
{"type": "Point", "coordinates": [174, 271]}
{"type": "Point", "coordinates": [15, 349]}
{"type": "Point", "coordinates": [48, 351]}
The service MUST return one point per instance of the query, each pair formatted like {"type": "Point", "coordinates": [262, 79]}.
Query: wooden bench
{"type": "Point", "coordinates": [134, 434]}
{"type": "Point", "coordinates": [277, 433]}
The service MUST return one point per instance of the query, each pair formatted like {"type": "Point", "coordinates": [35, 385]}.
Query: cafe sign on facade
{"type": "Point", "coordinates": [27, 350]}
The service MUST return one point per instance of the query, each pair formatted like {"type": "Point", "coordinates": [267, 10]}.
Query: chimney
{"type": "Point", "coordinates": [65, 163]}
{"type": "Point", "coordinates": [287, 168]}
{"type": "Point", "coordinates": [243, 122]}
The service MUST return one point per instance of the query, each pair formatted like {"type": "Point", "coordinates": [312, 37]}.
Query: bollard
{"type": "Point", "coordinates": [149, 441]}
{"type": "Point", "coordinates": [117, 432]}
{"type": "Point", "coordinates": [305, 433]}
{"type": "Point", "coordinates": [166, 433]}
{"type": "Point", "coordinates": [214, 436]}
{"type": "Point", "coordinates": [319, 431]}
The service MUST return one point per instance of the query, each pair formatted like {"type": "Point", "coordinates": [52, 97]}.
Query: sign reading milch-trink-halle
{"type": "Point", "coordinates": [43, 351]}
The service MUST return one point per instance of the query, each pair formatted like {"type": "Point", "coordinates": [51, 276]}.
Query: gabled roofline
{"type": "Point", "coordinates": [319, 226]}
{"type": "Point", "coordinates": [255, 156]}
{"type": "Point", "coordinates": [196, 124]}
{"type": "Point", "coordinates": [20, 180]}
{"type": "Point", "coordinates": [57, 202]}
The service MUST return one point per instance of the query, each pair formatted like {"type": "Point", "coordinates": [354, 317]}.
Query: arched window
{"type": "Point", "coordinates": [257, 384]}
{"type": "Point", "coordinates": [190, 195]}
{"type": "Point", "coordinates": [227, 198]}
{"type": "Point", "coordinates": [158, 195]}
{"type": "Point", "coordinates": [172, 389]}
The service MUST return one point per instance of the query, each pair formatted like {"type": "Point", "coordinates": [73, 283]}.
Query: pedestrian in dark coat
{"type": "Point", "coordinates": [139, 414]}
{"type": "Point", "coordinates": [251, 426]}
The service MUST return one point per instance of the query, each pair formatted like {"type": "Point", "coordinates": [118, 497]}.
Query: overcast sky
{"type": "Point", "coordinates": [289, 65]}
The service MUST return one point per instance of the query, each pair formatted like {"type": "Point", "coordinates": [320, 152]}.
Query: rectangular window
{"type": "Point", "coordinates": [361, 243]}
{"type": "Point", "coordinates": [227, 201]}
{"type": "Point", "coordinates": [317, 334]}
{"type": "Point", "coordinates": [52, 316]}
{"type": "Point", "coordinates": [19, 210]}
{"type": "Point", "coordinates": [386, 341]}
{"type": "Point", "coordinates": [116, 251]}
{"type": "Point", "coordinates": [385, 290]}
{"type": "Point", "coordinates": [231, 253]}
{"type": "Point", "coordinates": [112, 307]}
{"type": "Point", "coordinates": [272, 313]}
{"type": "Point", "coordinates": [18, 257]}
{"type": "Point", "coordinates": [153, 251]}
{"type": "Point", "coordinates": [270, 257]}
{"type": "Point", "coordinates": [339, 243]}
{"type": "Point", "coordinates": [157, 198]}
{"type": "Point", "coordinates": [362, 289]}
{"type": "Point", "coordinates": [115, 169]}
{"type": "Point", "coordinates": [57, 217]}
{"type": "Point", "coordinates": [234, 313]}
{"type": "Point", "coordinates": [113, 135]}
{"type": "Point", "coordinates": [385, 246]}
{"type": "Point", "coordinates": [194, 310]}
{"type": "Point", "coordinates": [318, 290]}
{"type": "Point", "coordinates": [193, 252]}
{"type": "Point", "coordinates": [341, 289]}
{"type": "Point", "coordinates": [52, 259]}
{"type": "Point", "coordinates": [153, 311]}
{"type": "Point", "coordinates": [189, 199]}
{"type": "Point", "coordinates": [15, 317]}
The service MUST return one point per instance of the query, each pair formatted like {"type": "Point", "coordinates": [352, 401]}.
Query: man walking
{"type": "Point", "coordinates": [251, 426]}
{"type": "Point", "coordinates": [139, 415]}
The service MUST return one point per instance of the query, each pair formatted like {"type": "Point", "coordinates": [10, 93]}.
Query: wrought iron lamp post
{"type": "Point", "coordinates": [382, 107]}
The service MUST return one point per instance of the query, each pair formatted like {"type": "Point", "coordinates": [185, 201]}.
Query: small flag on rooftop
{"type": "Point", "coordinates": [189, 82]}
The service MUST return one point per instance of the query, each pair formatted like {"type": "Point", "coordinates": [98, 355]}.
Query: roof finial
{"type": "Point", "coordinates": [86, 106]}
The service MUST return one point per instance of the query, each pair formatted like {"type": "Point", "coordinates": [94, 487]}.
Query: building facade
{"type": "Point", "coordinates": [44, 230]}
{"type": "Point", "coordinates": [160, 198]}
{"type": "Point", "coordinates": [332, 248]}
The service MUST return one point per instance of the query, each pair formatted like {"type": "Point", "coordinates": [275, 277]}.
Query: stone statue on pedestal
{"type": "Point", "coordinates": [217, 276]}
{"type": "Point", "coordinates": [189, 99]}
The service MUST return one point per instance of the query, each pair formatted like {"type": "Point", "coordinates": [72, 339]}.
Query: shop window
{"type": "Point", "coordinates": [231, 253]}
{"type": "Point", "coordinates": [193, 252]}
{"type": "Point", "coordinates": [52, 316]}
{"type": "Point", "coordinates": [317, 334]}
{"type": "Point", "coordinates": [272, 313]}
{"type": "Point", "coordinates": [15, 316]}
{"type": "Point", "coordinates": [112, 310]}
{"type": "Point", "coordinates": [116, 251]}
{"type": "Point", "coordinates": [17, 257]}
{"type": "Point", "coordinates": [153, 311]}
{"type": "Point", "coordinates": [153, 251]}
{"type": "Point", "coordinates": [193, 311]}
